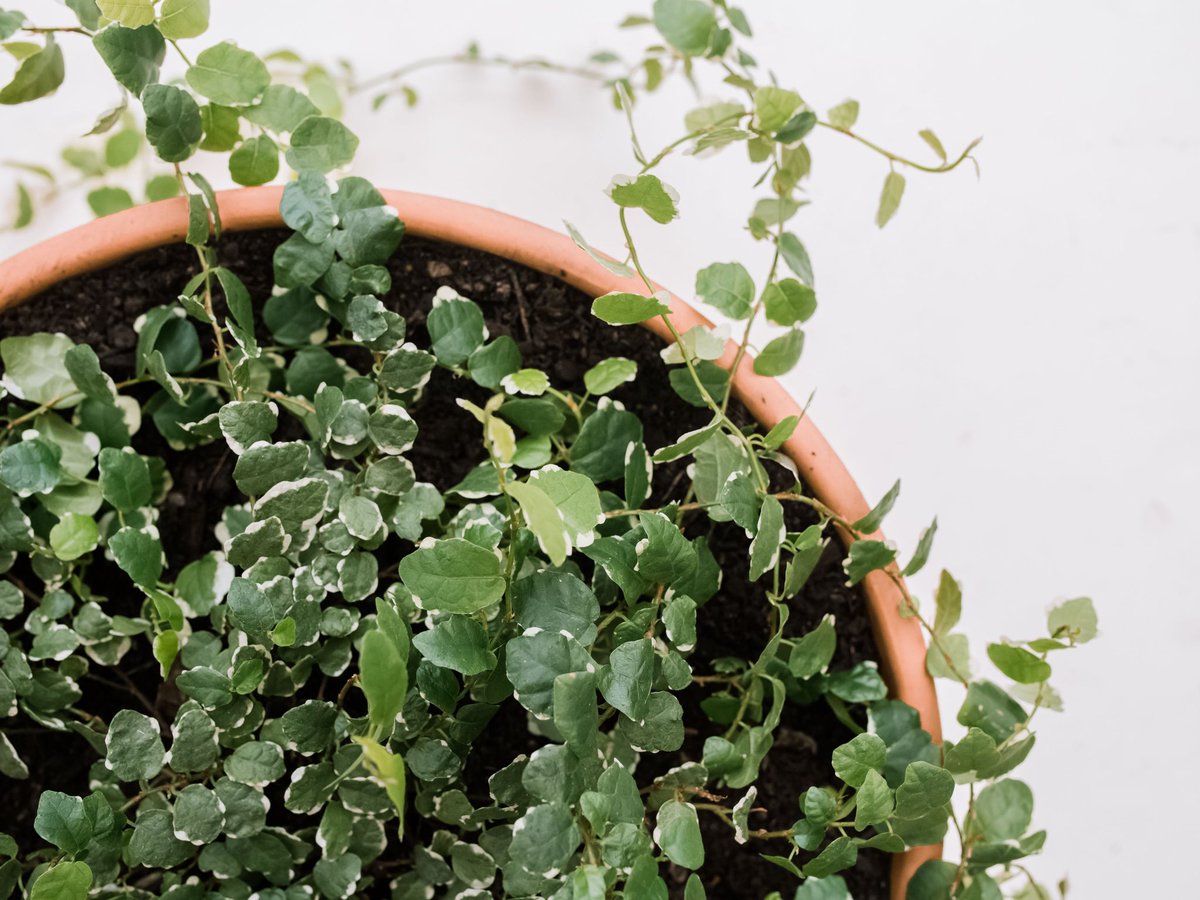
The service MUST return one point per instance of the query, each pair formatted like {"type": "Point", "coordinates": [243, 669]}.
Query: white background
{"type": "Point", "coordinates": [1020, 348]}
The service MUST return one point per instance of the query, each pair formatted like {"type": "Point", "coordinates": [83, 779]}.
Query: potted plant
{"type": "Point", "coordinates": [387, 565]}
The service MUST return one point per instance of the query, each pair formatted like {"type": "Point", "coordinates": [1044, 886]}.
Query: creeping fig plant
{"type": "Point", "coordinates": [355, 629]}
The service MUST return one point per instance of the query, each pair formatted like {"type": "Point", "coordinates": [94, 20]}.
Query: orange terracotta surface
{"type": "Point", "coordinates": [109, 240]}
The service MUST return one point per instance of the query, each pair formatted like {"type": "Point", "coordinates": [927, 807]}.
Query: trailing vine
{"type": "Point", "coordinates": [557, 575]}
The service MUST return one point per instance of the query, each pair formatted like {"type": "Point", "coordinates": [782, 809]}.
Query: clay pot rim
{"type": "Point", "coordinates": [107, 241]}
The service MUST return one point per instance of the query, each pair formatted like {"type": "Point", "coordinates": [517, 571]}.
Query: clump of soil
{"type": "Point", "coordinates": [552, 324]}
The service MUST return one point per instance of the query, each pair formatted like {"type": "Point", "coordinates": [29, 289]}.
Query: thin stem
{"type": "Point", "coordinates": [64, 29]}
{"type": "Point", "coordinates": [469, 59]}
{"type": "Point", "coordinates": [760, 475]}
{"type": "Point", "coordinates": [910, 606]}
{"type": "Point", "coordinates": [948, 166]}
{"type": "Point", "coordinates": [179, 50]}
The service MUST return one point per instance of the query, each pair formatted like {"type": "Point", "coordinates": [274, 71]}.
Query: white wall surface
{"type": "Point", "coordinates": [1021, 348]}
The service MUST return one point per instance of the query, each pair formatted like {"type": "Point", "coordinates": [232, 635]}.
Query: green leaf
{"type": "Point", "coordinates": [338, 877]}
{"type": "Point", "coordinates": [228, 75]}
{"type": "Point", "coordinates": [728, 287]}
{"type": "Point", "coordinates": [30, 467]}
{"type": "Point", "coordinates": [39, 75]}
{"type": "Point", "coordinates": [1018, 663]}
{"type": "Point", "coordinates": [774, 211]}
{"type": "Point", "coordinates": [133, 55]}
{"type": "Point", "coordinates": [950, 657]}
{"type": "Point", "coordinates": [256, 763]}
{"type": "Point", "coordinates": [181, 19]}
{"type": "Point", "coordinates": [949, 604]}
{"type": "Point", "coordinates": [543, 519]}
{"type": "Point", "coordinates": [932, 140]}
{"type": "Point", "coordinates": [133, 13]}
{"type": "Point", "coordinates": [35, 368]}
{"type": "Point", "coordinates": [866, 557]}
{"type": "Point", "coordinates": [689, 442]}
{"type": "Point", "coordinates": [532, 382]}
{"type": "Point", "coordinates": [455, 326]}
{"type": "Point", "coordinates": [844, 115]}
{"type": "Point", "coordinates": [626, 681]}
{"type": "Point", "coordinates": [921, 554]}
{"type": "Point", "coordinates": [599, 450]}
{"type": "Point", "coordinates": [263, 466]}
{"type": "Point", "coordinates": [613, 266]}
{"type": "Point", "coordinates": [490, 363]}
{"type": "Point", "coordinates": [934, 880]}
{"type": "Point", "coordinates": [64, 821]}
{"type": "Point", "coordinates": [781, 354]}
{"type": "Point", "coordinates": [662, 729]}
{"type": "Point", "coordinates": [173, 124]}
{"type": "Point", "coordinates": [281, 109]}
{"type": "Point", "coordinates": [1074, 620]}
{"type": "Point", "coordinates": [677, 832]}
{"type": "Point", "coordinates": [255, 161]}
{"type": "Point", "coordinates": [721, 461]}
{"type": "Point", "coordinates": [874, 801]}
{"type": "Point", "coordinates": [453, 576]}
{"type": "Point", "coordinates": [311, 727]}
{"type": "Point", "coordinates": [989, 708]}
{"type": "Point", "coordinates": [153, 843]}
{"type": "Point", "coordinates": [134, 749]}
{"type": "Point", "coordinates": [83, 366]}
{"type": "Point", "coordinates": [926, 789]}
{"type": "Point", "coordinates": [813, 652]}
{"type": "Point", "coordinates": [533, 661]}
{"type": "Point", "coordinates": [620, 308]}
{"type": "Point", "coordinates": [665, 556]}
{"type": "Point", "coordinates": [687, 25]}
{"type": "Point", "coordinates": [63, 881]}
{"type": "Point", "coordinates": [769, 536]}
{"type": "Point", "coordinates": [139, 554]}
{"type": "Point", "coordinates": [609, 374]}
{"type": "Point", "coordinates": [1003, 810]}
{"type": "Point", "coordinates": [544, 838]}
{"type": "Point", "coordinates": [388, 769]}
{"type": "Point", "coordinates": [197, 815]}
{"type": "Point", "coordinates": [369, 236]}
{"type": "Point", "coordinates": [383, 676]}
{"type": "Point", "coordinates": [870, 523]}
{"type": "Point", "coordinates": [105, 201]}
{"type": "Point", "coordinates": [645, 192]}
{"type": "Point", "coordinates": [162, 187]}
{"type": "Point", "coordinates": [788, 302]}
{"type": "Point", "coordinates": [853, 760]}
{"type": "Point", "coordinates": [797, 127]}
{"type": "Point", "coordinates": [774, 106]}
{"type": "Point", "coordinates": [459, 643]}
{"type": "Point", "coordinates": [556, 602]}
{"type": "Point", "coordinates": [796, 258]}
{"type": "Point", "coordinates": [842, 853]}
{"type": "Point", "coordinates": [124, 479]}
{"type": "Point", "coordinates": [24, 216]}
{"type": "Point", "coordinates": [858, 684]}
{"type": "Point", "coordinates": [73, 536]}
{"type": "Point", "coordinates": [321, 144]}
{"type": "Point", "coordinates": [575, 714]}
{"type": "Point", "coordinates": [10, 23]}
{"type": "Point", "coordinates": [832, 887]}
{"type": "Point", "coordinates": [307, 207]}
{"type": "Point", "coordinates": [889, 200]}
{"type": "Point", "coordinates": [576, 499]}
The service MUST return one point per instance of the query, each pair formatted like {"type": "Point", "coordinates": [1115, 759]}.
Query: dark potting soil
{"type": "Point", "coordinates": [552, 324]}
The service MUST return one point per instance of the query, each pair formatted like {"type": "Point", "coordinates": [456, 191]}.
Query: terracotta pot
{"type": "Point", "coordinates": [114, 238]}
